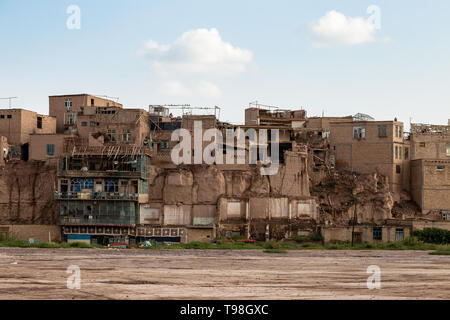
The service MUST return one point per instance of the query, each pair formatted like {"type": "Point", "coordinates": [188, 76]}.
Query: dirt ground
{"type": "Point", "coordinates": [190, 274]}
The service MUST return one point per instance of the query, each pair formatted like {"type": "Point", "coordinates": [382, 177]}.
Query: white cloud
{"type": "Point", "coordinates": [336, 29]}
{"type": "Point", "coordinates": [199, 51]}
{"type": "Point", "coordinates": [188, 66]}
{"type": "Point", "coordinates": [178, 89]}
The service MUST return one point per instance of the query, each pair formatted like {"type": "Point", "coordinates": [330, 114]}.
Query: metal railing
{"type": "Point", "coordinates": [96, 196]}
{"type": "Point", "coordinates": [97, 220]}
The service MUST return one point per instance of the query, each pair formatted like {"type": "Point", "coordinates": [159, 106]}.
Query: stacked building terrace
{"type": "Point", "coordinates": [102, 173]}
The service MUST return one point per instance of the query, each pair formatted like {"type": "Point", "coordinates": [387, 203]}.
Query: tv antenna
{"type": "Point", "coordinates": [9, 98]}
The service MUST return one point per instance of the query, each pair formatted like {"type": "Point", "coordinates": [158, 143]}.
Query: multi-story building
{"type": "Point", "coordinates": [65, 108]}
{"type": "Point", "coordinates": [430, 168]}
{"type": "Point", "coordinates": [100, 191]}
{"type": "Point", "coordinates": [102, 182]}
{"type": "Point", "coordinates": [368, 146]}
{"type": "Point", "coordinates": [18, 124]}
{"type": "Point", "coordinates": [257, 116]}
{"type": "Point", "coordinates": [430, 141]}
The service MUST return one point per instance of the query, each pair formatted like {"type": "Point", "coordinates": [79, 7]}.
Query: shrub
{"type": "Point", "coordinates": [287, 245]}
{"type": "Point", "coordinates": [79, 245]}
{"type": "Point", "coordinates": [433, 235]}
{"type": "Point", "coordinates": [298, 239]}
{"type": "Point", "coordinates": [315, 237]}
{"type": "Point", "coordinates": [271, 245]}
{"type": "Point", "coordinates": [440, 252]}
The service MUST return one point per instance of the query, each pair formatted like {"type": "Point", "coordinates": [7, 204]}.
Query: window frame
{"type": "Point", "coordinates": [50, 149]}
{"type": "Point", "coordinates": [382, 131]}
{"type": "Point", "coordinates": [164, 145]}
{"type": "Point", "coordinates": [399, 231]}
{"type": "Point", "coordinates": [359, 132]}
{"type": "Point", "coordinates": [377, 234]}
{"type": "Point", "coordinates": [68, 104]}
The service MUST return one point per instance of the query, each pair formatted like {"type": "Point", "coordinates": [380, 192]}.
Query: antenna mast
{"type": "Point", "coordinates": [9, 98]}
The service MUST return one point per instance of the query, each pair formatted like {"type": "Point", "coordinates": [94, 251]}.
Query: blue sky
{"type": "Point", "coordinates": [321, 55]}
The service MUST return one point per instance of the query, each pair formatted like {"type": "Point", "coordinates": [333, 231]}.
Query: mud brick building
{"type": "Point", "coordinates": [430, 168]}
{"type": "Point", "coordinates": [430, 185]}
{"type": "Point", "coordinates": [101, 173]}
{"type": "Point", "coordinates": [66, 107]}
{"type": "Point", "coordinates": [18, 124]}
{"type": "Point", "coordinates": [367, 146]}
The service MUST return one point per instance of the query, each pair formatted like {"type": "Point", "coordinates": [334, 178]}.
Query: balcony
{"type": "Point", "coordinates": [96, 196]}
{"type": "Point", "coordinates": [100, 174]}
{"type": "Point", "coordinates": [93, 220]}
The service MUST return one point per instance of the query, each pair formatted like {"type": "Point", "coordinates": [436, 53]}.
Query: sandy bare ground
{"type": "Point", "coordinates": [189, 274]}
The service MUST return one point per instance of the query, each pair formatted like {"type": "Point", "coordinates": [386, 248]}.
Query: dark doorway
{"type": "Point", "coordinates": [24, 151]}
{"type": "Point", "coordinates": [357, 237]}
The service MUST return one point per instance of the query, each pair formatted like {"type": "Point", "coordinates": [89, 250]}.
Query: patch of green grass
{"type": "Point", "coordinates": [271, 245]}
{"type": "Point", "coordinates": [309, 245]}
{"type": "Point", "coordinates": [440, 252]}
{"type": "Point", "coordinates": [274, 251]}
{"type": "Point", "coordinates": [298, 239]}
{"type": "Point", "coordinates": [287, 245]}
{"type": "Point", "coordinates": [25, 244]}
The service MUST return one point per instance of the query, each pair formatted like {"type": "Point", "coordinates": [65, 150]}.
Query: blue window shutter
{"type": "Point", "coordinates": [50, 149]}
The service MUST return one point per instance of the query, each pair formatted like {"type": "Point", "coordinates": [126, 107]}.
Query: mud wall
{"type": "Point", "coordinates": [26, 194]}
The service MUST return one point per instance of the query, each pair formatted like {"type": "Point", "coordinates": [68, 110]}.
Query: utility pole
{"type": "Point", "coordinates": [354, 211]}
{"type": "Point", "coordinates": [9, 98]}
{"type": "Point", "coordinates": [354, 222]}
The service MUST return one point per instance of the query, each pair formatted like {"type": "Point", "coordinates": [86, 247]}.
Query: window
{"type": "Point", "coordinates": [400, 153]}
{"type": "Point", "coordinates": [422, 144]}
{"type": "Point", "coordinates": [68, 104]}
{"type": "Point", "coordinates": [39, 122]}
{"type": "Point", "coordinates": [50, 149]}
{"type": "Point", "coordinates": [440, 168]}
{"type": "Point", "coordinates": [2, 116]}
{"type": "Point", "coordinates": [92, 102]}
{"type": "Point", "coordinates": [446, 216]}
{"type": "Point", "coordinates": [112, 135]}
{"type": "Point", "coordinates": [93, 124]}
{"type": "Point", "coordinates": [84, 124]}
{"type": "Point", "coordinates": [164, 145]}
{"type": "Point", "coordinates": [398, 131]}
{"type": "Point", "coordinates": [80, 184]}
{"type": "Point", "coordinates": [398, 169]}
{"type": "Point", "coordinates": [111, 185]}
{"type": "Point", "coordinates": [382, 130]}
{"type": "Point", "coordinates": [406, 153]}
{"type": "Point", "coordinates": [396, 152]}
{"type": "Point", "coordinates": [126, 135]}
{"type": "Point", "coordinates": [448, 149]}
{"type": "Point", "coordinates": [64, 185]}
{"type": "Point", "coordinates": [9, 116]}
{"type": "Point", "coordinates": [377, 233]}
{"type": "Point", "coordinates": [359, 132]}
{"type": "Point", "coordinates": [399, 234]}
{"type": "Point", "coordinates": [71, 118]}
